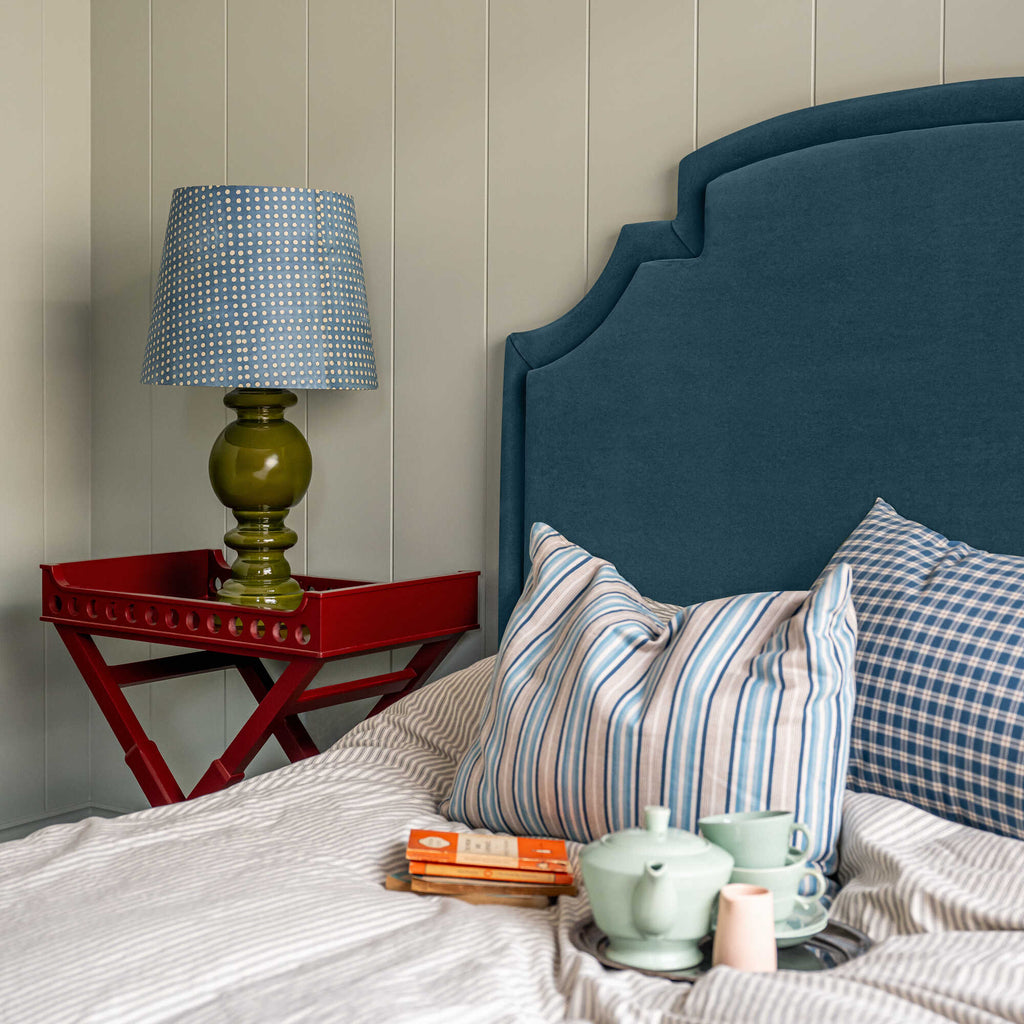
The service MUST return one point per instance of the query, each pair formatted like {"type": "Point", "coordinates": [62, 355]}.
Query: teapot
{"type": "Point", "coordinates": [652, 891]}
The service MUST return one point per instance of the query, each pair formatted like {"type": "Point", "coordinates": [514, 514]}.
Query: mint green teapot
{"type": "Point", "coordinates": [652, 891]}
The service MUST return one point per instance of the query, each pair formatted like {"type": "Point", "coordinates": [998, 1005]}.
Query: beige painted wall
{"type": "Point", "coordinates": [44, 309]}
{"type": "Point", "coordinates": [494, 148]}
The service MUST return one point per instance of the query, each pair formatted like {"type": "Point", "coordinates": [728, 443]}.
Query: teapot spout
{"type": "Point", "coordinates": [654, 901]}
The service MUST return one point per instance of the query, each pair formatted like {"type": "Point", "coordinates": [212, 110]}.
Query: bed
{"type": "Point", "coordinates": [834, 316]}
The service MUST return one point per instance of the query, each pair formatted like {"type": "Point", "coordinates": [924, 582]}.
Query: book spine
{"type": "Point", "coordinates": [495, 874]}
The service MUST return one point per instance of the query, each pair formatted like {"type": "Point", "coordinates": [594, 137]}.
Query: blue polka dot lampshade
{"type": "Point", "coordinates": [260, 287]}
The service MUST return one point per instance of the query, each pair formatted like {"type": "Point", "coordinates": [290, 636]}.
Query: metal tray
{"type": "Point", "coordinates": [837, 944]}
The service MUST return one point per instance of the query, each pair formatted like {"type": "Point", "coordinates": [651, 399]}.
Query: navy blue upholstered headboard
{"type": "Point", "coordinates": [836, 314]}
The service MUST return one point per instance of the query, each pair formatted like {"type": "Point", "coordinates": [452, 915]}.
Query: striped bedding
{"type": "Point", "coordinates": [265, 903]}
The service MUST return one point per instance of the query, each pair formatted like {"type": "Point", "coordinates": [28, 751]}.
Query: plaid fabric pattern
{"type": "Point", "coordinates": [599, 706]}
{"type": "Point", "coordinates": [939, 719]}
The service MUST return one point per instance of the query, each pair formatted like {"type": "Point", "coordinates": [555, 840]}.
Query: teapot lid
{"type": "Point", "coordinates": [656, 839]}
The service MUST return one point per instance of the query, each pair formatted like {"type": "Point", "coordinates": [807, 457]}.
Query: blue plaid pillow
{"type": "Point", "coordinates": [939, 717]}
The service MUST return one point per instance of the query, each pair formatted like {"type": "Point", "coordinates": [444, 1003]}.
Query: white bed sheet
{"type": "Point", "coordinates": [266, 903]}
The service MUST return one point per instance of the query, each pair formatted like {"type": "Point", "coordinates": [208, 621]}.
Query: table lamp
{"type": "Point", "coordinates": [260, 290]}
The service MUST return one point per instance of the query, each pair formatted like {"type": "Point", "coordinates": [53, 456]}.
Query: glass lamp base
{"type": "Point", "coordinates": [260, 579]}
{"type": "Point", "coordinates": [260, 467]}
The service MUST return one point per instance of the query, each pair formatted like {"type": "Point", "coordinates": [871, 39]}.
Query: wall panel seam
{"type": "Point", "coordinates": [42, 381]}
{"type": "Point", "coordinates": [393, 297]}
{"type": "Point", "coordinates": [304, 510]}
{"type": "Point", "coordinates": [306, 110]}
{"type": "Point", "coordinates": [696, 66]}
{"type": "Point", "coordinates": [586, 149]}
{"type": "Point", "coordinates": [152, 285]}
{"type": "Point", "coordinates": [482, 611]}
{"type": "Point", "coordinates": [942, 41]}
{"type": "Point", "coordinates": [225, 736]}
{"type": "Point", "coordinates": [224, 16]}
{"type": "Point", "coordinates": [814, 53]}
{"type": "Point", "coordinates": [88, 321]}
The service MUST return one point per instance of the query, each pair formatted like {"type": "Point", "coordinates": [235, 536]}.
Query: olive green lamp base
{"type": "Point", "coordinates": [260, 467]}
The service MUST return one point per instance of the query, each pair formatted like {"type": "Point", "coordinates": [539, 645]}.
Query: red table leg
{"type": "Point", "coordinates": [275, 714]}
{"type": "Point", "coordinates": [421, 664]}
{"type": "Point", "coordinates": [141, 753]}
{"type": "Point", "coordinates": [230, 767]}
{"type": "Point", "coordinates": [288, 731]}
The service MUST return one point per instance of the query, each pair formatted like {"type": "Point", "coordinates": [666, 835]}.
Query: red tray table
{"type": "Point", "coordinates": [171, 598]}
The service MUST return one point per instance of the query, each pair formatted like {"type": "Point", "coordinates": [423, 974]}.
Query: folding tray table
{"type": "Point", "coordinates": [171, 599]}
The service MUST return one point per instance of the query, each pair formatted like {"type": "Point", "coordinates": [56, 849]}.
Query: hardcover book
{"type": "Point", "coordinates": [515, 852]}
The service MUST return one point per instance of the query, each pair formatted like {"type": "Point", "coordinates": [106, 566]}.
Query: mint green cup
{"type": "Point", "coordinates": [784, 883]}
{"type": "Point", "coordinates": [756, 839]}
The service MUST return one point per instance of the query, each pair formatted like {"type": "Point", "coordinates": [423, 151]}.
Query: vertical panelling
{"type": "Point", "coordinates": [351, 73]}
{"type": "Point", "coordinates": [266, 145]}
{"type": "Point", "coordinates": [66, 370]}
{"type": "Point", "coordinates": [351, 136]}
{"type": "Point", "coordinates": [536, 197]}
{"type": "Point", "coordinates": [641, 114]}
{"type": "Point", "coordinates": [121, 465]}
{"type": "Point", "coordinates": [983, 39]}
{"type": "Point", "coordinates": [22, 687]}
{"type": "Point", "coordinates": [875, 46]}
{"type": "Point", "coordinates": [188, 146]}
{"type": "Point", "coordinates": [121, 421]}
{"type": "Point", "coordinates": [754, 61]}
{"type": "Point", "coordinates": [266, 92]}
{"type": "Point", "coordinates": [440, 288]}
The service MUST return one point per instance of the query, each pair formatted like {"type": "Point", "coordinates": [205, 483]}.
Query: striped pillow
{"type": "Point", "coordinates": [939, 720]}
{"type": "Point", "coordinates": [597, 707]}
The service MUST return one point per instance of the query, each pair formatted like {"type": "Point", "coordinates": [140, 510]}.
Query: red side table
{"type": "Point", "coordinates": [171, 598]}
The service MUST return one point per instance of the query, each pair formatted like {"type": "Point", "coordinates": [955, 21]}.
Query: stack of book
{"type": "Point", "coordinates": [506, 870]}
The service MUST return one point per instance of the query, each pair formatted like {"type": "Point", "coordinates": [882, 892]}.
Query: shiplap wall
{"type": "Point", "coordinates": [493, 147]}
{"type": "Point", "coordinates": [44, 416]}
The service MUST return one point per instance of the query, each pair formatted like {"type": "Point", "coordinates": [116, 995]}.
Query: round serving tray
{"type": "Point", "coordinates": [837, 944]}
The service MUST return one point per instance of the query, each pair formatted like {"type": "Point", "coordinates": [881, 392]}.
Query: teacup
{"type": "Point", "coordinates": [784, 883]}
{"type": "Point", "coordinates": [756, 839]}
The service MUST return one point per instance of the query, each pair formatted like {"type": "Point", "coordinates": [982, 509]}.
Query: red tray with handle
{"type": "Point", "coordinates": [171, 598]}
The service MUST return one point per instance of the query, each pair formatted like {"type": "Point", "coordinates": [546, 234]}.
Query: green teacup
{"type": "Point", "coordinates": [756, 839]}
{"type": "Point", "coordinates": [784, 883]}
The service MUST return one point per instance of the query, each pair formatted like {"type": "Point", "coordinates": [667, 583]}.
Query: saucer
{"type": "Point", "coordinates": [808, 917]}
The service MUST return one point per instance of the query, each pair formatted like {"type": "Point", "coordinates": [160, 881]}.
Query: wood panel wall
{"type": "Point", "coordinates": [44, 415]}
{"type": "Point", "coordinates": [494, 147]}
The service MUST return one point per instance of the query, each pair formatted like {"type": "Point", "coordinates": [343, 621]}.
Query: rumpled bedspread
{"type": "Point", "coordinates": [266, 903]}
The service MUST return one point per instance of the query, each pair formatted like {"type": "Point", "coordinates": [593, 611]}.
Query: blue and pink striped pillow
{"type": "Point", "coordinates": [598, 706]}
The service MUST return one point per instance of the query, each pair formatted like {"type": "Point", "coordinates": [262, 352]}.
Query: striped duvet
{"type": "Point", "coordinates": [265, 903]}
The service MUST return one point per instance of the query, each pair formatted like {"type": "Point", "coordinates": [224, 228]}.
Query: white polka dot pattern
{"type": "Point", "coordinates": [260, 287]}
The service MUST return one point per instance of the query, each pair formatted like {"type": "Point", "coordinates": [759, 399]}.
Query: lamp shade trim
{"type": "Point", "coordinates": [260, 287]}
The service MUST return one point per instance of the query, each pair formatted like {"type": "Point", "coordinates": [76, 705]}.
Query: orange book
{"type": "Point", "coordinates": [488, 851]}
{"type": "Point", "coordinates": [419, 867]}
